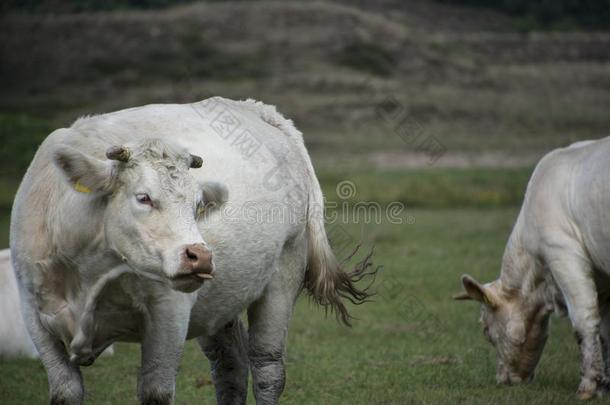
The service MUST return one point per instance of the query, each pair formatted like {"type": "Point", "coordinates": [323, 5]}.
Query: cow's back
{"type": "Point", "coordinates": [568, 201]}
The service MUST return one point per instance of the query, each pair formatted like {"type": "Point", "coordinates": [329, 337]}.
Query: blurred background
{"type": "Point", "coordinates": [443, 106]}
{"type": "Point", "coordinates": [378, 85]}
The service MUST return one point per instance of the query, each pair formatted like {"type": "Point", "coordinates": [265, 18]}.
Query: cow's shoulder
{"type": "Point", "coordinates": [557, 164]}
{"type": "Point", "coordinates": [553, 190]}
{"type": "Point", "coordinates": [550, 183]}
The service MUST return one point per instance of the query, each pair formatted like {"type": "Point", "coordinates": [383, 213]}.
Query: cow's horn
{"type": "Point", "coordinates": [196, 162]}
{"type": "Point", "coordinates": [119, 153]}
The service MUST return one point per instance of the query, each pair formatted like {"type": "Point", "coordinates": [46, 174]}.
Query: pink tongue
{"type": "Point", "coordinates": [205, 276]}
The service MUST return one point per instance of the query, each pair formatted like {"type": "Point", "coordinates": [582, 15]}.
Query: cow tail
{"type": "Point", "coordinates": [325, 279]}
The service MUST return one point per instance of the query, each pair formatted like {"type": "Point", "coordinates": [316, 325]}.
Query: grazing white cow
{"type": "Point", "coordinates": [14, 338]}
{"type": "Point", "coordinates": [557, 258]}
{"type": "Point", "coordinates": [112, 234]}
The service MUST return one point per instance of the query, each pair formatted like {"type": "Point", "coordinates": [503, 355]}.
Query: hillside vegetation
{"type": "Point", "coordinates": [465, 77]}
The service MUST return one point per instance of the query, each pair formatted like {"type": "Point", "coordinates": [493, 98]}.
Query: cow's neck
{"type": "Point", "coordinates": [522, 273]}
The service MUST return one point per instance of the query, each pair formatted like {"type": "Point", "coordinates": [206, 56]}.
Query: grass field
{"type": "Point", "coordinates": [412, 345]}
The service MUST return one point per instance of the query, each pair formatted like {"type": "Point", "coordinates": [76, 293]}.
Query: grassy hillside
{"type": "Point", "coordinates": [464, 77]}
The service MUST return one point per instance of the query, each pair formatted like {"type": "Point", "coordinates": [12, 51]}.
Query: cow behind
{"type": "Point", "coordinates": [14, 338]}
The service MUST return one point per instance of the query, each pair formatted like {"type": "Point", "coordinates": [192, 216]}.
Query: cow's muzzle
{"type": "Point", "coordinates": [196, 261]}
{"type": "Point", "coordinates": [506, 377]}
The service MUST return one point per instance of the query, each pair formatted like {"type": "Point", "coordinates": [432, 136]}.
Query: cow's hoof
{"type": "Point", "coordinates": [71, 393]}
{"type": "Point", "coordinates": [65, 400]}
{"type": "Point", "coordinates": [589, 389]}
{"type": "Point", "coordinates": [586, 395]}
{"type": "Point", "coordinates": [603, 387]}
{"type": "Point", "coordinates": [157, 398]}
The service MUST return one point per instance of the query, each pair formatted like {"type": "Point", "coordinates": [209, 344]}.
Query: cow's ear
{"type": "Point", "coordinates": [213, 194]}
{"type": "Point", "coordinates": [473, 290]}
{"type": "Point", "coordinates": [85, 173]}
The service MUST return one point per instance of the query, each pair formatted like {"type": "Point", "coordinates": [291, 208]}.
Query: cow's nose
{"type": "Point", "coordinates": [198, 259]}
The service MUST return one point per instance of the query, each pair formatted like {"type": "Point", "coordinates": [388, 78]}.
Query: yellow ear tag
{"type": "Point", "coordinates": [486, 300]}
{"type": "Point", "coordinates": [81, 188]}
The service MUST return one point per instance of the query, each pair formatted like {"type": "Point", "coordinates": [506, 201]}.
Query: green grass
{"type": "Point", "coordinates": [412, 345]}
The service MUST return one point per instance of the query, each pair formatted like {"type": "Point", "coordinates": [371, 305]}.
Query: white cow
{"type": "Point", "coordinates": [557, 257]}
{"type": "Point", "coordinates": [14, 338]}
{"type": "Point", "coordinates": [112, 238]}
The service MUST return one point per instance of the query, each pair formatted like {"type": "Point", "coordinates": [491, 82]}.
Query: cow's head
{"type": "Point", "coordinates": [516, 326]}
{"type": "Point", "coordinates": [150, 205]}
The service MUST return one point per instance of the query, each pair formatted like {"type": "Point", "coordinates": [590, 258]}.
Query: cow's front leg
{"type": "Point", "coordinates": [227, 351]}
{"type": "Point", "coordinates": [592, 369]}
{"type": "Point", "coordinates": [164, 334]}
{"type": "Point", "coordinates": [574, 275]}
{"type": "Point", "coordinates": [65, 379]}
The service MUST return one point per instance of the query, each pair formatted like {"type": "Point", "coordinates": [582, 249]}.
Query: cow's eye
{"type": "Point", "coordinates": [144, 199]}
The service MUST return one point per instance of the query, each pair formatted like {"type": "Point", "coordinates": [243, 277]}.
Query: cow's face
{"type": "Point", "coordinates": [515, 327]}
{"type": "Point", "coordinates": [150, 208]}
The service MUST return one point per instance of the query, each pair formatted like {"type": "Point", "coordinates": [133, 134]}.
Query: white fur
{"type": "Point", "coordinates": [14, 338]}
